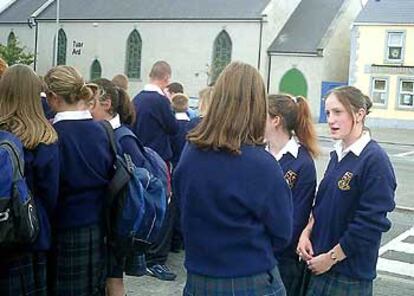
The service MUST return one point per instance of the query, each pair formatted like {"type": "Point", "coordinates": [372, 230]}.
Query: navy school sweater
{"type": "Point", "coordinates": [86, 165]}
{"type": "Point", "coordinates": [155, 122]}
{"type": "Point", "coordinates": [42, 177]}
{"type": "Point", "coordinates": [300, 174]}
{"type": "Point", "coordinates": [351, 208]}
{"type": "Point", "coordinates": [178, 140]}
{"type": "Point", "coordinates": [235, 210]}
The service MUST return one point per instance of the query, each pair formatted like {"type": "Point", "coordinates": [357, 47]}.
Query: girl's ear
{"type": "Point", "coordinates": [276, 121]}
{"type": "Point", "coordinates": [106, 105]}
{"type": "Point", "coordinates": [53, 101]}
{"type": "Point", "coordinates": [360, 115]}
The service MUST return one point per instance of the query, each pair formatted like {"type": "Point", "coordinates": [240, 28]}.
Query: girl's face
{"type": "Point", "coordinates": [342, 125]}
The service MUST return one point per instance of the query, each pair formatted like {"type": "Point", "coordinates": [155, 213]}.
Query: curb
{"type": "Point", "coordinates": [404, 209]}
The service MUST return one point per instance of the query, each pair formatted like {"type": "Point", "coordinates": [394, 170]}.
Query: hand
{"type": "Point", "coordinates": [305, 249]}
{"type": "Point", "coordinates": [320, 264]}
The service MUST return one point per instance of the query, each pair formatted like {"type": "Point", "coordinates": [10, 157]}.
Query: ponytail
{"type": "Point", "coordinates": [304, 129]}
{"type": "Point", "coordinates": [125, 108]}
{"type": "Point", "coordinates": [296, 119]}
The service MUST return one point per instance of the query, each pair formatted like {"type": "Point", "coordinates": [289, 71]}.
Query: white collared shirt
{"type": "Point", "coordinates": [356, 148]}
{"type": "Point", "coordinates": [292, 147]}
{"type": "Point", "coordinates": [72, 115]}
{"type": "Point", "coordinates": [153, 87]}
{"type": "Point", "coordinates": [182, 116]}
{"type": "Point", "coordinates": [115, 122]}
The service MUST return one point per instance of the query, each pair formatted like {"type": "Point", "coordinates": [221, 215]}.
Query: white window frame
{"type": "Point", "coordinates": [388, 45]}
{"type": "Point", "coordinates": [400, 92]}
{"type": "Point", "coordinates": [384, 91]}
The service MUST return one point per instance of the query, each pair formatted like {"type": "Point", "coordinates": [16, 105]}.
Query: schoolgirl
{"type": "Point", "coordinates": [23, 271]}
{"type": "Point", "coordinates": [291, 139]}
{"type": "Point", "coordinates": [78, 250]}
{"type": "Point", "coordinates": [114, 105]}
{"type": "Point", "coordinates": [340, 243]}
{"type": "Point", "coordinates": [235, 204]}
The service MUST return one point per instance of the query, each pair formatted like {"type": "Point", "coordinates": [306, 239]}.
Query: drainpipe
{"type": "Point", "coordinates": [260, 42]}
{"type": "Point", "coordinates": [269, 69]}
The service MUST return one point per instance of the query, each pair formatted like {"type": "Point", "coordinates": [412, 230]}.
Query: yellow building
{"type": "Point", "coordinates": [382, 60]}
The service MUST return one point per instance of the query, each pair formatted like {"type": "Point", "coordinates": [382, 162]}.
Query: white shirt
{"type": "Point", "coordinates": [292, 147]}
{"type": "Point", "coordinates": [356, 148]}
{"type": "Point", "coordinates": [153, 87]}
{"type": "Point", "coordinates": [182, 116]}
{"type": "Point", "coordinates": [72, 115]}
{"type": "Point", "coordinates": [115, 122]}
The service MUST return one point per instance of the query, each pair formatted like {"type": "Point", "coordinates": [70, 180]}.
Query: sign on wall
{"type": "Point", "coordinates": [77, 47]}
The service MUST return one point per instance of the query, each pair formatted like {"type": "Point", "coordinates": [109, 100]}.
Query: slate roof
{"type": "Point", "coordinates": [20, 11]}
{"type": "Point", "coordinates": [387, 11]}
{"type": "Point", "coordinates": [306, 27]}
{"type": "Point", "coordinates": [156, 9]}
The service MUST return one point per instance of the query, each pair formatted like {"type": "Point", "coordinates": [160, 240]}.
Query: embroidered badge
{"type": "Point", "coordinates": [343, 184]}
{"type": "Point", "coordinates": [291, 178]}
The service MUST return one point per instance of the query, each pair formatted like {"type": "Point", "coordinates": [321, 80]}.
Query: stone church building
{"type": "Point", "coordinates": [295, 44]}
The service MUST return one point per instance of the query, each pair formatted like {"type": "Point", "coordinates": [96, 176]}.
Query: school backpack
{"type": "Point", "coordinates": [136, 203]}
{"type": "Point", "coordinates": [19, 223]}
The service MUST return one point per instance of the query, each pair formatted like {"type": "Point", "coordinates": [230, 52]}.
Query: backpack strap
{"type": "Point", "coordinates": [126, 132]}
{"type": "Point", "coordinates": [17, 162]}
{"type": "Point", "coordinates": [111, 136]}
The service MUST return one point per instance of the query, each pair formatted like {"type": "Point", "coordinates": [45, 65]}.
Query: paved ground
{"type": "Point", "coordinates": [396, 262]}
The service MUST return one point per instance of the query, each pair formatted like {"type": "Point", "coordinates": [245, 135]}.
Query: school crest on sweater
{"type": "Point", "coordinates": [343, 183]}
{"type": "Point", "coordinates": [291, 178]}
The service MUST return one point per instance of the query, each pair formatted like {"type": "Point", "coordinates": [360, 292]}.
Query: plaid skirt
{"type": "Point", "coordinates": [78, 262]}
{"type": "Point", "coordinates": [263, 284]}
{"type": "Point", "coordinates": [293, 276]}
{"type": "Point", "coordinates": [24, 275]}
{"type": "Point", "coordinates": [335, 284]}
{"type": "Point", "coordinates": [133, 265]}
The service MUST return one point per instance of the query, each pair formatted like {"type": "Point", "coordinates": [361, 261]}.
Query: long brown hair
{"type": "Point", "coordinates": [120, 101]}
{"type": "Point", "coordinates": [237, 113]}
{"type": "Point", "coordinates": [21, 110]}
{"type": "Point", "coordinates": [296, 119]}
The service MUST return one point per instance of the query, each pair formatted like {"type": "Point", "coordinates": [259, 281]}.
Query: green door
{"type": "Point", "coordinates": [294, 83]}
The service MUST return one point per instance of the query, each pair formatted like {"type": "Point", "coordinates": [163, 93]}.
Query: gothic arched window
{"type": "Point", "coordinates": [96, 70]}
{"type": "Point", "coordinates": [133, 56]}
{"type": "Point", "coordinates": [11, 39]}
{"type": "Point", "coordinates": [221, 54]}
{"type": "Point", "coordinates": [62, 43]}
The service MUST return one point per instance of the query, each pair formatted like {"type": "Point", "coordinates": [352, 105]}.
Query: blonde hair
{"type": "Point", "coordinates": [21, 110]}
{"type": "Point", "coordinates": [179, 102]}
{"type": "Point", "coordinates": [121, 81]}
{"type": "Point", "coordinates": [237, 113]}
{"type": "Point", "coordinates": [3, 66]}
{"type": "Point", "coordinates": [296, 119]}
{"type": "Point", "coordinates": [67, 82]}
{"type": "Point", "coordinates": [204, 100]}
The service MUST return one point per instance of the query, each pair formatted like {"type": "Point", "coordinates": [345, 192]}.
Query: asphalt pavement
{"type": "Point", "coordinates": [396, 260]}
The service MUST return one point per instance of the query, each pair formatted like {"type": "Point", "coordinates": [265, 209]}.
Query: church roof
{"type": "Point", "coordinates": [387, 11]}
{"type": "Point", "coordinates": [156, 9]}
{"type": "Point", "coordinates": [20, 10]}
{"type": "Point", "coordinates": [306, 27]}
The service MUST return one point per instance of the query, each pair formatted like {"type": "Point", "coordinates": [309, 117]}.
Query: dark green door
{"type": "Point", "coordinates": [294, 83]}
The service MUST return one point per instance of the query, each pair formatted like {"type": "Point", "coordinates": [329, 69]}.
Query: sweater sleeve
{"type": "Point", "coordinates": [47, 176]}
{"type": "Point", "coordinates": [167, 118]}
{"type": "Point", "coordinates": [277, 210]}
{"type": "Point", "coordinates": [303, 194]}
{"type": "Point", "coordinates": [377, 198]}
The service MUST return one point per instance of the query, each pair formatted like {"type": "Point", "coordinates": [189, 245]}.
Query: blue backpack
{"type": "Point", "coordinates": [136, 203]}
{"type": "Point", "coordinates": [19, 223]}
